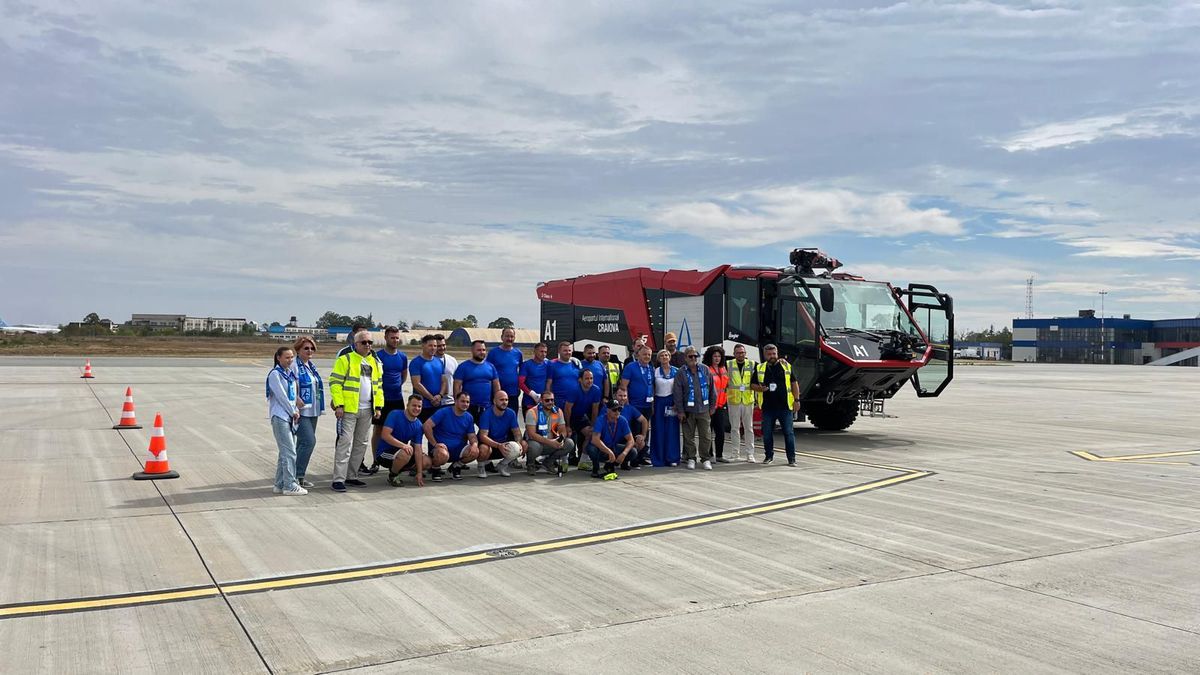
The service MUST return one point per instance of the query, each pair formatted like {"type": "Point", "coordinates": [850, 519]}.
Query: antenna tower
{"type": "Point", "coordinates": [1029, 298]}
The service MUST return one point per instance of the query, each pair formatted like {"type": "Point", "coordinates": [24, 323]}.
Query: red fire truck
{"type": "Point", "coordinates": [852, 343]}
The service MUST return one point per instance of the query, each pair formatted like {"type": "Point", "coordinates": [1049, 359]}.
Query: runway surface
{"type": "Point", "coordinates": [1035, 518]}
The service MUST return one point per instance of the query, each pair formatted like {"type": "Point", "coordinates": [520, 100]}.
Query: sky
{"type": "Point", "coordinates": [420, 161]}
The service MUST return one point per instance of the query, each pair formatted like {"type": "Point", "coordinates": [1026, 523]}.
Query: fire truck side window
{"type": "Point", "coordinates": [788, 323]}
{"type": "Point", "coordinates": [741, 308]}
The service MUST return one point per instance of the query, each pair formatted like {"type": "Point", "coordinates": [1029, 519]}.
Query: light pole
{"type": "Point", "coordinates": [1103, 335]}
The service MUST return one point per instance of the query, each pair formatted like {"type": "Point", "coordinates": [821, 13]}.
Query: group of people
{"type": "Point", "coordinates": [593, 412]}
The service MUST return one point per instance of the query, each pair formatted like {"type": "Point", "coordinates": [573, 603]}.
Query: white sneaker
{"type": "Point", "coordinates": [295, 490]}
{"type": "Point", "coordinates": [752, 459]}
{"type": "Point", "coordinates": [691, 463]}
{"type": "Point", "coordinates": [502, 469]}
{"type": "Point", "coordinates": [276, 490]}
{"type": "Point", "coordinates": [482, 470]}
{"type": "Point", "coordinates": [707, 465]}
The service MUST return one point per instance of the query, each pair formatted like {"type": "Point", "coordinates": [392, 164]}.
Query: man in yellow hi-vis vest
{"type": "Point", "coordinates": [780, 400]}
{"type": "Point", "coordinates": [742, 401]}
{"type": "Point", "coordinates": [356, 392]}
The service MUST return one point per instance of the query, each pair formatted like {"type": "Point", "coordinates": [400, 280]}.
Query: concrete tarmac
{"type": "Point", "coordinates": [959, 536]}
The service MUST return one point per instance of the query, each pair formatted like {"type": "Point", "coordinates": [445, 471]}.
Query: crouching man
{"type": "Point", "coordinates": [500, 435]}
{"type": "Point", "coordinates": [399, 446]}
{"type": "Point", "coordinates": [611, 443]}
{"type": "Point", "coordinates": [549, 437]}
{"type": "Point", "coordinates": [451, 436]}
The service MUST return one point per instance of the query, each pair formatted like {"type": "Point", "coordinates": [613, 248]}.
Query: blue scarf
{"type": "Point", "coordinates": [310, 381]}
{"type": "Point", "coordinates": [289, 381]}
{"type": "Point", "coordinates": [691, 399]}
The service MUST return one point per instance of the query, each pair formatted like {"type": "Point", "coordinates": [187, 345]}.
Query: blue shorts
{"type": "Point", "coordinates": [455, 453]}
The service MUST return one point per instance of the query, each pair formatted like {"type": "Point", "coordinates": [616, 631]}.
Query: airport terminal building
{"type": "Point", "coordinates": [1090, 339]}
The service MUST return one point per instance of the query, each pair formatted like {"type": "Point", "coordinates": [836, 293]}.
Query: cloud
{"type": "Point", "coordinates": [1107, 247]}
{"type": "Point", "coordinates": [782, 214]}
{"type": "Point", "coordinates": [1157, 122]}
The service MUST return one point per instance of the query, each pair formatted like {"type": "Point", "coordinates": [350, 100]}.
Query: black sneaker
{"type": "Point", "coordinates": [435, 475]}
{"type": "Point", "coordinates": [354, 482]}
{"type": "Point", "coordinates": [394, 480]}
{"type": "Point", "coordinates": [456, 473]}
{"type": "Point", "coordinates": [338, 486]}
{"type": "Point", "coordinates": [792, 463]}
{"type": "Point", "coordinates": [596, 472]}
{"type": "Point", "coordinates": [490, 467]}
{"type": "Point", "coordinates": [722, 460]}
{"type": "Point", "coordinates": [769, 460]}
{"type": "Point", "coordinates": [370, 471]}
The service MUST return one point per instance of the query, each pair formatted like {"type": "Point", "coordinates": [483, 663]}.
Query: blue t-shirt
{"type": "Point", "coordinates": [403, 430]}
{"type": "Point", "coordinates": [535, 374]}
{"type": "Point", "coordinates": [564, 376]}
{"type": "Point", "coordinates": [631, 415]}
{"type": "Point", "coordinates": [641, 384]}
{"type": "Point", "coordinates": [597, 369]}
{"type": "Point", "coordinates": [430, 373]}
{"type": "Point", "coordinates": [508, 364]}
{"type": "Point", "coordinates": [581, 405]}
{"type": "Point", "coordinates": [395, 369]}
{"type": "Point", "coordinates": [451, 428]}
{"type": "Point", "coordinates": [499, 427]}
{"type": "Point", "coordinates": [476, 380]}
{"type": "Point", "coordinates": [612, 434]}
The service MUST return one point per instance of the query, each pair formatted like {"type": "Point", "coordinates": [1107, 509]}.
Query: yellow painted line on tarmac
{"type": "Point", "coordinates": [449, 561]}
{"type": "Point", "coordinates": [1137, 459]}
{"type": "Point", "coordinates": [107, 602]}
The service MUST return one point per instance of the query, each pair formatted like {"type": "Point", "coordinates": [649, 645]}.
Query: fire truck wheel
{"type": "Point", "coordinates": [832, 416]}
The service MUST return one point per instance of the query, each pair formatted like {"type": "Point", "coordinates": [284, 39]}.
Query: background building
{"type": "Point", "coordinates": [1090, 339]}
{"type": "Point", "coordinates": [210, 323]}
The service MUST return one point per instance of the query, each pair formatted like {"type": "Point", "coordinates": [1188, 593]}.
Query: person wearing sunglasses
{"type": "Point", "coordinates": [548, 436]}
{"type": "Point", "coordinates": [356, 392]}
{"type": "Point", "coordinates": [695, 401]}
{"type": "Point", "coordinates": [312, 405]}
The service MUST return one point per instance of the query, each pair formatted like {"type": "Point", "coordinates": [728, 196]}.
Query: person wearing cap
{"type": "Point", "coordinates": [500, 435]}
{"type": "Point", "coordinates": [695, 401]}
{"type": "Point", "coordinates": [672, 345]}
{"type": "Point", "coordinates": [611, 443]}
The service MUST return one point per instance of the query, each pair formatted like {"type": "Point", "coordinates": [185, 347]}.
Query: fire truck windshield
{"type": "Point", "coordinates": [863, 305]}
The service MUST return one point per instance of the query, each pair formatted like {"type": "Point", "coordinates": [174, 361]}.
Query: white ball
{"type": "Point", "coordinates": [512, 450]}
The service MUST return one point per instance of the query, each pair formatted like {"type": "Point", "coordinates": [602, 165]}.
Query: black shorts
{"type": "Point", "coordinates": [426, 413]}
{"type": "Point", "coordinates": [388, 406]}
{"type": "Point", "coordinates": [387, 463]}
{"type": "Point", "coordinates": [477, 411]}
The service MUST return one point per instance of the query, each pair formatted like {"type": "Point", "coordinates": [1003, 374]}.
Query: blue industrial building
{"type": "Point", "coordinates": [1090, 339]}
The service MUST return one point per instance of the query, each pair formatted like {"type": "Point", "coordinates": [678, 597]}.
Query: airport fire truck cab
{"type": "Point", "coordinates": [852, 343]}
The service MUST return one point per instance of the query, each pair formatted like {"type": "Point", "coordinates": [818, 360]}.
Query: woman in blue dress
{"type": "Point", "coordinates": [664, 435]}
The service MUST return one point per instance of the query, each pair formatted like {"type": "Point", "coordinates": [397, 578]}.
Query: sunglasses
{"type": "Point", "coordinates": [693, 356]}
{"type": "Point", "coordinates": [365, 342]}
{"type": "Point", "coordinates": [308, 349]}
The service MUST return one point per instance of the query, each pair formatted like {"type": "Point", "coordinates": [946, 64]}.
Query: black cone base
{"type": "Point", "coordinates": [142, 475]}
{"type": "Point", "coordinates": [127, 426]}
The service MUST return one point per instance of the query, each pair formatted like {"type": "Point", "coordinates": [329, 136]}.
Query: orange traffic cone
{"type": "Point", "coordinates": [87, 370]}
{"type": "Point", "coordinates": [128, 419]}
{"type": "Point", "coordinates": [157, 466]}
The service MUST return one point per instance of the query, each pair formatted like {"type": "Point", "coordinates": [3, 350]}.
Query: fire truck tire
{"type": "Point", "coordinates": [834, 416]}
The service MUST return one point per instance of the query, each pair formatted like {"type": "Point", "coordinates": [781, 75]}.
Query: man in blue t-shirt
{"type": "Point", "coordinates": [451, 435]}
{"type": "Point", "coordinates": [582, 412]}
{"type": "Point", "coordinates": [399, 445]}
{"type": "Point", "coordinates": [638, 379]}
{"type": "Point", "coordinates": [611, 443]}
{"type": "Point", "coordinates": [532, 379]}
{"type": "Point", "coordinates": [639, 425]}
{"type": "Point", "coordinates": [500, 435]}
{"type": "Point", "coordinates": [591, 362]}
{"type": "Point", "coordinates": [478, 378]}
{"type": "Point", "coordinates": [395, 372]}
{"type": "Point", "coordinates": [507, 360]}
{"type": "Point", "coordinates": [562, 377]}
{"type": "Point", "coordinates": [425, 372]}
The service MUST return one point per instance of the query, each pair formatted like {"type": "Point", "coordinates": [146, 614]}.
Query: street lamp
{"type": "Point", "coordinates": [1103, 335]}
